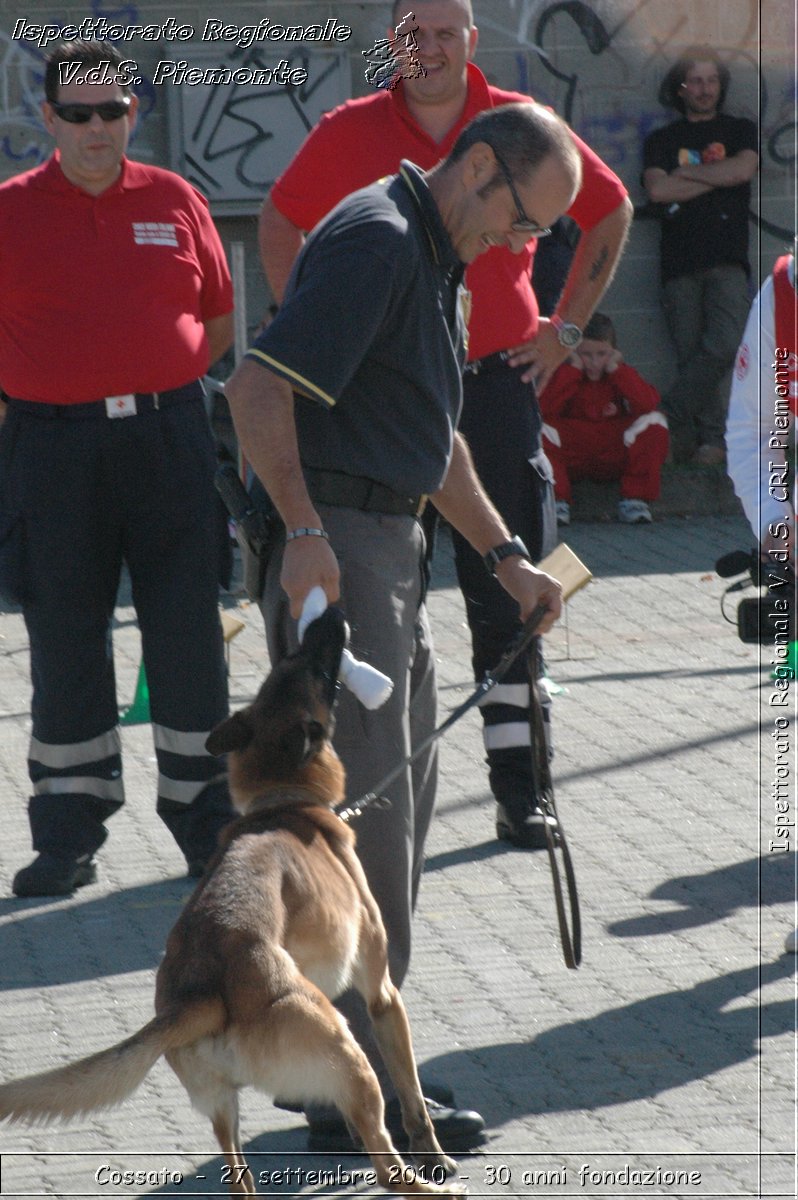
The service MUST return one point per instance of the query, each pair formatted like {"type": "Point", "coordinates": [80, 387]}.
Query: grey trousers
{"type": "Point", "coordinates": [706, 314]}
{"type": "Point", "coordinates": [382, 595]}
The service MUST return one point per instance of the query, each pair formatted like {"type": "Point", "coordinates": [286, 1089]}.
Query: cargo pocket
{"type": "Point", "coordinates": [11, 557]}
{"type": "Point", "coordinates": [12, 507]}
{"type": "Point", "coordinates": [543, 483]}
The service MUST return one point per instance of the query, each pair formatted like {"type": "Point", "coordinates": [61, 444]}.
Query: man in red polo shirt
{"type": "Point", "coordinates": [114, 298]}
{"type": "Point", "coordinates": [512, 351]}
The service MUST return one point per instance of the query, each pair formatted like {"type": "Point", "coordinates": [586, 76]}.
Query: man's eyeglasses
{"type": "Point", "coordinates": [81, 114]}
{"type": "Point", "coordinates": [524, 224]}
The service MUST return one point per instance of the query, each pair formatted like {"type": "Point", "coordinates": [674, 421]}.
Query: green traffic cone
{"type": "Point", "coordinates": [792, 658]}
{"type": "Point", "coordinates": [139, 711]}
{"type": "Point", "coordinates": [790, 663]}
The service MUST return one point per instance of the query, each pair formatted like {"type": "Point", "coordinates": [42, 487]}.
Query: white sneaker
{"type": "Point", "coordinates": [634, 512]}
{"type": "Point", "coordinates": [563, 510]}
{"type": "Point", "coordinates": [791, 942]}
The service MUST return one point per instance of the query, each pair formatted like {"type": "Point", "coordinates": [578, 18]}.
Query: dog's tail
{"type": "Point", "coordinates": [105, 1079]}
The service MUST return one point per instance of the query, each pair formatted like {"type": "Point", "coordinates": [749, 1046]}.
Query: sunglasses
{"type": "Point", "coordinates": [524, 224]}
{"type": "Point", "coordinates": [81, 114]}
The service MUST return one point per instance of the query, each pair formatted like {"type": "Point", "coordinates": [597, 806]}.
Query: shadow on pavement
{"type": "Point", "coordinates": [110, 935]}
{"type": "Point", "coordinates": [703, 899]}
{"type": "Point", "coordinates": [636, 1051]}
{"type": "Point", "coordinates": [281, 1167]}
{"type": "Point", "coordinates": [632, 1052]}
{"type": "Point", "coordinates": [466, 854]}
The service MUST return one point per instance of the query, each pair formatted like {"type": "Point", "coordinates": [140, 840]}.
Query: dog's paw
{"type": "Point", "coordinates": [433, 1166]}
{"type": "Point", "coordinates": [437, 1189]}
{"type": "Point", "coordinates": [452, 1189]}
{"type": "Point", "coordinates": [448, 1164]}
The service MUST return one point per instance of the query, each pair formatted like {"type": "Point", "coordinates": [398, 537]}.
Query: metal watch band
{"type": "Point", "coordinates": [305, 532]}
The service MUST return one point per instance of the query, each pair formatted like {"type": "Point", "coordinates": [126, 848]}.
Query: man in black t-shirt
{"type": "Point", "coordinates": [347, 406]}
{"type": "Point", "coordinates": [699, 169]}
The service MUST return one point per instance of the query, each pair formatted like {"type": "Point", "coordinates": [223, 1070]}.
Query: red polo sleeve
{"type": "Point", "coordinates": [601, 191]}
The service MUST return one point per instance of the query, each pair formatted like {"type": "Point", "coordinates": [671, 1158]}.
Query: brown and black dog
{"type": "Point", "coordinates": [280, 925]}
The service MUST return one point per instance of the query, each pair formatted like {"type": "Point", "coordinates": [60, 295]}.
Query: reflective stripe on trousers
{"type": "Point", "coordinates": [94, 767]}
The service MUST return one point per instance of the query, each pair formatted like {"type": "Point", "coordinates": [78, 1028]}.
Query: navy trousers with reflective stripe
{"type": "Point", "coordinates": [92, 495]}
{"type": "Point", "coordinates": [501, 423]}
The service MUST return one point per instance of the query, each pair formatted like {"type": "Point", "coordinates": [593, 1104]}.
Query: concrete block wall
{"type": "Point", "coordinates": [598, 64]}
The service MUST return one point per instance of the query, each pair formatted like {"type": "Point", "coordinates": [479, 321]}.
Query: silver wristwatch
{"type": "Point", "coordinates": [568, 334]}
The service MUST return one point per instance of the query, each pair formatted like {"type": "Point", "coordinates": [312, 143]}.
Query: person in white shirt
{"type": "Point", "coordinates": [760, 434]}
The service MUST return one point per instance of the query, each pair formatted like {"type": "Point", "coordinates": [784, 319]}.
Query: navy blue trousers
{"type": "Point", "coordinates": [78, 498]}
{"type": "Point", "coordinates": [501, 423]}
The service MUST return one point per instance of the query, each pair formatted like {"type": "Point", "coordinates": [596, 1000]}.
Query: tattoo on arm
{"type": "Point", "coordinates": [599, 264]}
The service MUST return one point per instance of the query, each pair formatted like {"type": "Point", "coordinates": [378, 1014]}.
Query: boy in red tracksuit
{"type": "Point", "coordinates": [601, 421]}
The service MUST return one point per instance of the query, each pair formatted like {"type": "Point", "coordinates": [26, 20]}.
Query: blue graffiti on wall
{"type": "Point", "coordinates": [621, 133]}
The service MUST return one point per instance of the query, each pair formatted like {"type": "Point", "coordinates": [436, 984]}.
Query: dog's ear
{"type": "Point", "coordinates": [302, 741]}
{"type": "Point", "coordinates": [235, 733]}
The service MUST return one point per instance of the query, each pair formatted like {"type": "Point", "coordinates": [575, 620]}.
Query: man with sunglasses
{"type": "Point", "coordinates": [347, 406]}
{"type": "Point", "coordinates": [512, 353]}
{"type": "Point", "coordinates": [114, 299]}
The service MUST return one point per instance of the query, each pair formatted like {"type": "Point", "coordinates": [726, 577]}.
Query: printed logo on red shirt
{"type": "Point", "coordinates": [154, 233]}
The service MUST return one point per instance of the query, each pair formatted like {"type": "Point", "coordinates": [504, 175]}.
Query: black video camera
{"type": "Point", "coordinates": [771, 615]}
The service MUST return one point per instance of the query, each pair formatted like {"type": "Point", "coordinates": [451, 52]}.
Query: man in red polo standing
{"type": "Point", "coordinates": [512, 352]}
{"type": "Point", "coordinates": [114, 298]}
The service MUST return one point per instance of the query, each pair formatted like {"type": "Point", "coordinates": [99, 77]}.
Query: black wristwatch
{"type": "Point", "coordinates": [514, 548]}
{"type": "Point", "coordinates": [568, 334]}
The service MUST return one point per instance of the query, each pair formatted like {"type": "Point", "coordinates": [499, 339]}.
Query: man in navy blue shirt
{"type": "Point", "coordinates": [347, 407]}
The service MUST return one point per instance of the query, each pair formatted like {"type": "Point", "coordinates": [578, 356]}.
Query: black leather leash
{"type": "Point", "coordinates": [522, 641]}
{"type": "Point", "coordinates": [571, 938]}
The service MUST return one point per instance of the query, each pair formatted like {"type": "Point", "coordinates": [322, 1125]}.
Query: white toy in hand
{"type": "Point", "coordinates": [366, 683]}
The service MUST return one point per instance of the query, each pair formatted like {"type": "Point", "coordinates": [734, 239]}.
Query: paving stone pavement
{"type": "Point", "coordinates": [664, 1066]}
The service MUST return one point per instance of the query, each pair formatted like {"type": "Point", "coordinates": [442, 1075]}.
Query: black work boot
{"type": "Point", "coordinates": [519, 819]}
{"type": "Point", "coordinates": [49, 875]}
{"type": "Point", "coordinates": [196, 827]}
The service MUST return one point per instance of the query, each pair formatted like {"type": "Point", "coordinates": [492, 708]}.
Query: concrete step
{"type": "Point", "coordinates": [687, 490]}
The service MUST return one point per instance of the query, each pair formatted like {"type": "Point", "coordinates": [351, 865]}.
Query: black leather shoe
{"type": "Point", "coordinates": [51, 876]}
{"type": "Point", "coordinates": [455, 1128]}
{"type": "Point", "coordinates": [527, 832]}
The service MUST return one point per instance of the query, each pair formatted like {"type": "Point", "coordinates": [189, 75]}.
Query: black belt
{"type": "Point", "coordinates": [355, 491]}
{"type": "Point", "coordinates": [491, 362]}
{"type": "Point", "coordinates": [144, 402]}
